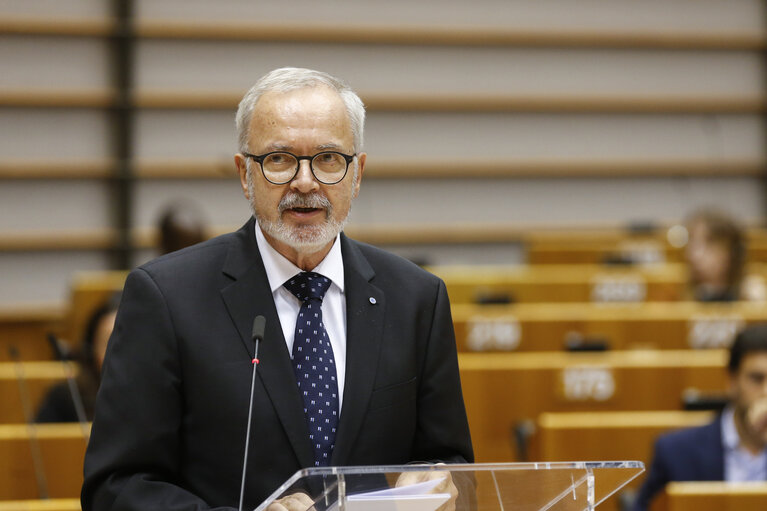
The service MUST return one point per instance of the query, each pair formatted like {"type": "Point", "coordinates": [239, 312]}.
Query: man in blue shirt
{"type": "Point", "coordinates": [734, 446]}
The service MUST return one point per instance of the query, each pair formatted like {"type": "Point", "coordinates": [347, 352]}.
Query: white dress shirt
{"type": "Point", "coordinates": [740, 465]}
{"type": "Point", "coordinates": [279, 270]}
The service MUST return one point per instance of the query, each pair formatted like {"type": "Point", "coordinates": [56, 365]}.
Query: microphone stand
{"type": "Point", "coordinates": [77, 398]}
{"type": "Point", "coordinates": [257, 334]}
{"type": "Point", "coordinates": [26, 405]}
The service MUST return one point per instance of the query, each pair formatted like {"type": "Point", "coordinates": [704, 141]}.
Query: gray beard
{"type": "Point", "coordinates": [308, 238]}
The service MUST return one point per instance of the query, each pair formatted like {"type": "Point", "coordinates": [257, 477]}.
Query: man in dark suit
{"type": "Point", "coordinates": [170, 424]}
{"type": "Point", "coordinates": [734, 446]}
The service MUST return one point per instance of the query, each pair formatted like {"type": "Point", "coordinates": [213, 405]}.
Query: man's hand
{"type": "Point", "coordinates": [294, 502]}
{"type": "Point", "coordinates": [446, 486]}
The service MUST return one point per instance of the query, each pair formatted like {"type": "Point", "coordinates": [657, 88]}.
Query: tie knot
{"type": "Point", "coordinates": [308, 285]}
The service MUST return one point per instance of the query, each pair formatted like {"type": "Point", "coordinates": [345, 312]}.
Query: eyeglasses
{"type": "Point", "coordinates": [280, 167]}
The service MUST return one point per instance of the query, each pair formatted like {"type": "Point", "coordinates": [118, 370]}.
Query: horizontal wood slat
{"type": "Point", "coordinates": [10, 25]}
{"type": "Point", "coordinates": [96, 239]}
{"type": "Point", "coordinates": [607, 243]}
{"type": "Point", "coordinates": [446, 35]}
{"type": "Point", "coordinates": [409, 101]}
{"type": "Point", "coordinates": [57, 169]}
{"type": "Point", "coordinates": [485, 102]}
{"type": "Point", "coordinates": [83, 98]}
{"type": "Point", "coordinates": [394, 34]}
{"type": "Point", "coordinates": [395, 168]}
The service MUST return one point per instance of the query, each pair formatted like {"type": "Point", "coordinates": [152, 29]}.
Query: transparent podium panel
{"type": "Point", "coordinates": [566, 486]}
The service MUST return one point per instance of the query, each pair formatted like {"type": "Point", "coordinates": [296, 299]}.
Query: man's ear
{"type": "Point", "coordinates": [361, 159]}
{"type": "Point", "coordinates": [240, 161]}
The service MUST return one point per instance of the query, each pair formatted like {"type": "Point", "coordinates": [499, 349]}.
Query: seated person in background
{"type": "Point", "coordinates": [181, 224]}
{"type": "Point", "coordinates": [734, 446]}
{"type": "Point", "coordinates": [715, 255]}
{"type": "Point", "coordinates": [58, 405]}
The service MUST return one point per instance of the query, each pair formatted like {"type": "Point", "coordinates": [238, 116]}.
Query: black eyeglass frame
{"type": "Point", "coordinates": [259, 158]}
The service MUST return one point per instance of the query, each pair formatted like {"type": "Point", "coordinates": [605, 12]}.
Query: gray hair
{"type": "Point", "coordinates": [286, 79]}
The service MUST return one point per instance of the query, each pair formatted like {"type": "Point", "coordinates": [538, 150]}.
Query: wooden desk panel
{"type": "Point", "coordinates": [713, 496]}
{"type": "Point", "coordinates": [605, 436]}
{"type": "Point", "coordinates": [546, 326]}
{"type": "Point", "coordinates": [575, 249]}
{"type": "Point", "coordinates": [89, 291]}
{"type": "Point", "coordinates": [564, 283]}
{"type": "Point", "coordinates": [38, 377]}
{"type": "Point", "coordinates": [26, 328]}
{"type": "Point", "coordinates": [62, 447]}
{"type": "Point", "coordinates": [502, 389]}
{"type": "Point", "coordinates": [41, 505]}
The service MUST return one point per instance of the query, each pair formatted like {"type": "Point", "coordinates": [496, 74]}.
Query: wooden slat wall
{"type": "Point", "coordinates": [659, 99]}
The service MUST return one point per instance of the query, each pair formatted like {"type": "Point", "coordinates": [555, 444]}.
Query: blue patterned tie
{"type": "Point", "coordinates": [314, 364]}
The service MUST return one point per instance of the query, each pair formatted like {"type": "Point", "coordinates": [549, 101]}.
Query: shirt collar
{"type": "Point", "coordinates": [279, 270]}
{"type": "Point", "coordinates": [730, 437]}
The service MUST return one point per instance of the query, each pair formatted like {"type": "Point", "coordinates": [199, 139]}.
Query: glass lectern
{"type": "Point", "coordinates": [564, 486]}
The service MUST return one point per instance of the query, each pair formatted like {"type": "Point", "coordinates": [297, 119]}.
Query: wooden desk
{"type": "Point", "coordinates": [713, 496]}
{"type": "Point", "coordinates": [546, 326]}
{"type": "Point", "coordinates": [577, 247]}
{"type": "Point", "coordinates": [25, 327]}
{"type": "Point", "coordinates": [41, 505]}
{"type": "Point", "coordinates": [89, 291]}
{"type": "Point", "coordinates": [604, 436]}
{"type": "Point", "coordinates": [62, 447]}
{"type": "Point", "coordinates": [607, 436]}
{"type": "Point", "coordinates": [38, 377]}
{"type": "Point", "coordinates": [564, 283]}
{"type": "Point", "coordinates": [502, 389]}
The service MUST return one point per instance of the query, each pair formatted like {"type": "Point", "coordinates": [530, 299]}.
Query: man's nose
{"type": "Point", "coordinates": [304, 180]}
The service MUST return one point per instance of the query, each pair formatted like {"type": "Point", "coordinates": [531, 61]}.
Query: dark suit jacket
{"type": "Point", "coordinates": [693, 454]}
{"type": "Point", "coordinates": [169, 430]}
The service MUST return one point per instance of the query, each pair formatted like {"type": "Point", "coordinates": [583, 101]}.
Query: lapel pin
{"type": "Point", "coordinates": [373, 300]}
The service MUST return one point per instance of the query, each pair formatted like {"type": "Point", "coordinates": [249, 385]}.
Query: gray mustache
{"type": "Point", "coordinates": [304, 201]}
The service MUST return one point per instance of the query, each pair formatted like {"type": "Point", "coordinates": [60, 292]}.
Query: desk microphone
{"type": "Point", "coordinates": [259, 323]}
{"type": "Point", "coordinates": [26, 404]}
{"type": "Point", "coordinates": [63, 354]}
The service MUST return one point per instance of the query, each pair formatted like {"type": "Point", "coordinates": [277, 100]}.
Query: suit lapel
{"type": "Point", "coordinates": [365, 307]}
{"type": "Point", "coordinates": [246, 297]}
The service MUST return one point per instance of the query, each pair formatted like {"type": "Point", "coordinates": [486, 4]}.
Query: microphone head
{"type": "Point", "coordinates": [59, 348]}
{"type": "Point", "coordinates": [259, 323]}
